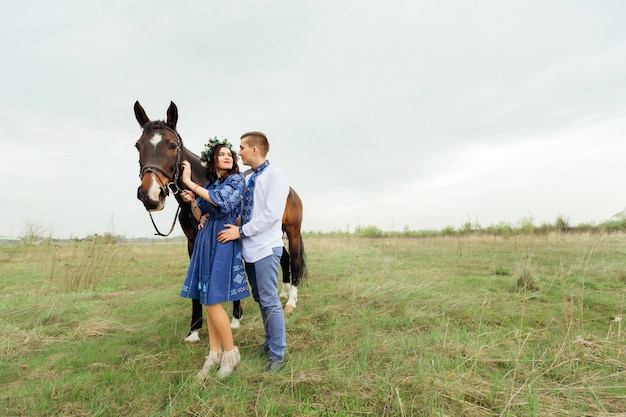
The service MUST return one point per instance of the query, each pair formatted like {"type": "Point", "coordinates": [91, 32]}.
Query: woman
{"type": "Point", "coordinates": [216, 272]}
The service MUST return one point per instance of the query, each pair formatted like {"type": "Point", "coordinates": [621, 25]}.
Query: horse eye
{"type": "Point", "coordinates": [173, 146]}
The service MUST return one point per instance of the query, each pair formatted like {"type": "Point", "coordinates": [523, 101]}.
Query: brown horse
{"type": "Point", "coordinates": [161, 152]}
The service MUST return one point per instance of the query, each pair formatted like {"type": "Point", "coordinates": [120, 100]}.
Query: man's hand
{"type": "Point", "coordinates": [202, 220]}
{"type": "Point", "coordinates": [230, 233]}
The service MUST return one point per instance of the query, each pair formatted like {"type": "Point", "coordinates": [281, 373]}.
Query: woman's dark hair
{"type": "Point", "coordinates": [211, 173]}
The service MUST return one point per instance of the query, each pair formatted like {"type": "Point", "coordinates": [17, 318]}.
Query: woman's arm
{"type": "Point", "coordinates": [197, 189]}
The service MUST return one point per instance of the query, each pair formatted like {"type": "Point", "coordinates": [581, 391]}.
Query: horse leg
{"type": "Point", "coordinates": [196, 321]}
{"type": "Point", "coordinates": [290, 289]}
{"type": "Point", "coordinates": [298, 270]}
{"type": "Point", "coordinates": [284, 265]}
{"type": "Point", "coordinates": [290, 305]}
{"type": "Point", "coordinates": [237, 314]}
{"type": "Point", "coordinates": [292, 261]}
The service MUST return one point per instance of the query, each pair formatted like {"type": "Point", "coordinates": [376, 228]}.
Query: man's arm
{"type": "Point", "coordinates": [272, 206]}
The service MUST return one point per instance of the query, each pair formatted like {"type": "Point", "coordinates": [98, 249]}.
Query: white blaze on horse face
{"type": "Point", "coordinates": [156, 139]}
{"type": "Point", "coordinates": [154, 192]}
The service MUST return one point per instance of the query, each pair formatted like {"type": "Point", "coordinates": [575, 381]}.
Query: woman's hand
{"type": "Point", "coordinates": [186, 175]}
{"type": "Point", "coordinates": [187, 196]}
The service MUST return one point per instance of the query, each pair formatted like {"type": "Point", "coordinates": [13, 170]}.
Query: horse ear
{"type": "Point", "coordinates": [172, 115]}
{"type": "Point", "coordinates": [140, 114]}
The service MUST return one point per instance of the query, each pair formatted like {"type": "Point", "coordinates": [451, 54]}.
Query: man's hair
{"type": "Point", "coordinates": [259, 140]}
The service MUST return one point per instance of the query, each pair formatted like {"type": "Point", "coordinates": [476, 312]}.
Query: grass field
{"type": "Point", "coordinates": [526, 325]}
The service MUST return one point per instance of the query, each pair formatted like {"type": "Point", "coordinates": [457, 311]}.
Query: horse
{"type": "Point", "coordinates": [161, 152]}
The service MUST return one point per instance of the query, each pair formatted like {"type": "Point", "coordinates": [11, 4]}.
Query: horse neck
{"type": "Point", "coordinates": [197, 170]}
{"type": "Point", "coordinates": [197, 176]}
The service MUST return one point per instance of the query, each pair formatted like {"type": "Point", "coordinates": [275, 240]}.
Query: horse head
{"type": "Point", "coordinates": [160, 155]}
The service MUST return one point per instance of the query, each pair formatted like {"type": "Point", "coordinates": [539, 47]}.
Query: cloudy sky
{"type": "Point", "coordinates": [418, 114]}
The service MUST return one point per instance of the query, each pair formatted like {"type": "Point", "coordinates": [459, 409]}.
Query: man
{"type": "Point", "coordinates": [262, 240]}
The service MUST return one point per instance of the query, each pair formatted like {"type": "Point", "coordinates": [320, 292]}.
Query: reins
{"type": "Point", "coordinates": [158, 232]}
{"type": "Point", "coordinates": [173, 179]}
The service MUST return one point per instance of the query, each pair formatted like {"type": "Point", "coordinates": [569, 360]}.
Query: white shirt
{"type": "Point", "coordinates": [264, 230]}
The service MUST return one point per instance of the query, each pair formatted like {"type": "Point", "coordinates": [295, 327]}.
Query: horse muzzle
{"type": "Point", "coordinates": [153, 200]}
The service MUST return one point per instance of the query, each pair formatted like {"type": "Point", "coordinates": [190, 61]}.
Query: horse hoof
{"type": "Point", "coordinates": [234, 323]}
{"type": "Point", "coordinates": [288, 309]}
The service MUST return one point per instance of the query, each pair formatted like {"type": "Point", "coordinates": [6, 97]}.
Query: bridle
{"type": "Point", "coordinates": [172, 184]}
{"type": "Point", "coordinates": [173, 179]}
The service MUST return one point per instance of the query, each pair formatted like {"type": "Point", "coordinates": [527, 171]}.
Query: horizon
{"type": "Point", "coordinates": [474, 226]}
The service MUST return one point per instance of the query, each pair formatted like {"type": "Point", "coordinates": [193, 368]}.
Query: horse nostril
{"type": "Point", "coordinates": [162, 195]}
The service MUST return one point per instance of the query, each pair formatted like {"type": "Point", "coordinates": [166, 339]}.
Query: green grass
{"type": "Point", "coordinates": [470, 325]}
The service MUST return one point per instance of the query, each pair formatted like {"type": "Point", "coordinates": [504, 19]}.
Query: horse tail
{"type": "Point", "coordinates": [298, 265]}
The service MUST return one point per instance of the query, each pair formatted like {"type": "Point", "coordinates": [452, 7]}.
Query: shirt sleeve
{"type": "Point", "coordinates": [229, 194]}
{"type": "Point", "coordinates": [272, 205]}
{"type": "Point", "coordinates": [202, 203]}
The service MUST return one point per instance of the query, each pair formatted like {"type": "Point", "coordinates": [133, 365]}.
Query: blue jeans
{"type": "Point", "coordinates": [263, 278]}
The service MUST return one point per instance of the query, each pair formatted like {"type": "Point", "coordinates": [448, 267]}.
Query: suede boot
{"type": "Point", "coordinates": [212, 361]}
{"type": "Point", "coordinates": [230, 360]}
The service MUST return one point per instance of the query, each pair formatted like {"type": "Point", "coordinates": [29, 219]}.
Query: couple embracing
{"type": "Point", "coordinates": [244, 221]}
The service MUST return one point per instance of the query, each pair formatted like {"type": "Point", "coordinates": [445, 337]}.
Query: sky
{"type": "Point", "coordinates": [415, 115]}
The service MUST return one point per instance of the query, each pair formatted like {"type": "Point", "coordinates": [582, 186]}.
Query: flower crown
{"type": "Point", "coordinates": [205, 155]}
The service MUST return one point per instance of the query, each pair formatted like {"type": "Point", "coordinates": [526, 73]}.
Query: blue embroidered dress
{"type": "Point", "coordinates": [216, 271]}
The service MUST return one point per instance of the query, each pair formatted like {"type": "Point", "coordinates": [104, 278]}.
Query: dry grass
{"type": "Point", "coordinates": [384, 327]}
